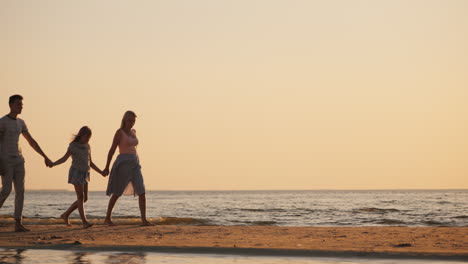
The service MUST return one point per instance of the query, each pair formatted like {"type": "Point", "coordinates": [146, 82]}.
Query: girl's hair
{"type": "Point", "coordinates": [83, 132]}
{"type": "Point", "coordinates": [127, 115]}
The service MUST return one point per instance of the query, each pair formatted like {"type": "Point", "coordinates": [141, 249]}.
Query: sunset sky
{"type": "Point", "coordinates": [246, 94]}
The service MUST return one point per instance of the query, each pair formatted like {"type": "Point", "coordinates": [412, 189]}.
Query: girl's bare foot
{"type": "Point", "coordinates": [146, 223]}
{"type": "Point", "coordinates": [66, 220]}
{"type": "Point", "coordinates": [87, 224]}
{"type": "Point", "coordinates": [109, 222]}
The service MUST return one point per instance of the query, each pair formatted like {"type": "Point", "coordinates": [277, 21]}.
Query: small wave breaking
{"type": "Point", "coordinates": [278, 210]}
{"type": "Point", "coordinates": [375, 210]}
{"type": "Point", "coordinates": [391, 222]}
{"type": "Point", "coordinates": [119, 220]}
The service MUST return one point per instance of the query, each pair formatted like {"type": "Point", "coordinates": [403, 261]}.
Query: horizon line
{"type": "Point", "coordinates": [267, 190]}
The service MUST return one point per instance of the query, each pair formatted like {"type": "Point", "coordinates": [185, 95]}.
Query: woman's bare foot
{"type": "Point", "coordinates": [87, 224]}
{"type": "Point", "coordinates": [146, 223]}
{"type": "Point", "coordinates": [20, 228]}
{"type": "Point", "coordinates": [66, 220]}
{"type": "Point", "coordinates": [109, 222]}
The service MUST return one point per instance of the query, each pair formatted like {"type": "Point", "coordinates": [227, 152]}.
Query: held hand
{"type": "Point", "coordinates": [48, 162]}
{"type": "Point", "coordinates": [105, 172]}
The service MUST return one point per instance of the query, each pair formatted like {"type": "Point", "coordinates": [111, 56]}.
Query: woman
{"type": "Point", "coordinates": [125, 177]}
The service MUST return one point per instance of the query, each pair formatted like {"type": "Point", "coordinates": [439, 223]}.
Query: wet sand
{"type": "Point", "coordinates": [367, 242]}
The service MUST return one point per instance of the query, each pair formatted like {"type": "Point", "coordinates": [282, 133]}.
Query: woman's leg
{"type": "Point", "coordinates": [112, 201]}
{"type": "Point", "coordinates": [142, 204]}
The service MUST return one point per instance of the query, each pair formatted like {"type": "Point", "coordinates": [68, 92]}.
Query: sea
{"type": "Point", "coordinates": [268, 208]}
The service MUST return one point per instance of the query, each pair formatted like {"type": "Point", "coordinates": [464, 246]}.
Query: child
{"type": "Point", "coordinates": [78, 174]}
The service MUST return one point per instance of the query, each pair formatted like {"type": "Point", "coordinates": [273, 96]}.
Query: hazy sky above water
{"type": "Point", "coordinates": [241, 94]}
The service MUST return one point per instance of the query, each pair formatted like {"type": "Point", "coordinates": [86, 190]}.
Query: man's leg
{"type": "Point", "coordinates": [7, 181]}
{"type": "Point", "coordinates": [18, 181]}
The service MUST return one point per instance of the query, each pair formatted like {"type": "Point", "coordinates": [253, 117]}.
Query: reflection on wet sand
{"type": "Point", "coordinates": [79, 258]}
{"type": "Point", "coordinates": [19, 256]}
{"type": "Point", "coordinates": [13, 256]}
{"type": "Point", "coordinates": [130, 258]}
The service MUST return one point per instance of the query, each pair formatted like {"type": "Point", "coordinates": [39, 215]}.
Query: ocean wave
{"type": "Point", "coordinates": [461, 217]}
{"type": "Point", "coordinates": [298, 211]}
{"type": "Point", "coordinates": [308, 210]}
{"type": "Point", "coordinates": [278, 210]}
{"type": "Point", "coordinates": [389, 202]}
{"type": "Point", "coordinates": [257, 223]}
{"type": "Point", "coordinates": [391, 222]}
{"type": "Point", "coordinates": [433, 223]}
{"type": "Point", "coordinates": [264, 223]}
{"type": "Point", "coordinates": [181, 221]}
{"type": "Point", "coordinates": [132, 219]}
{"type": "Point", "coordinates": [121, 220]}
{"type": "Point", "coordinates": [376, 210]}
{"type": "Point", "coordinates": [443, 202]}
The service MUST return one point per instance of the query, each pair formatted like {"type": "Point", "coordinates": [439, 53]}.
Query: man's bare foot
{"type": "Point", "coordinates": [21, 228]}
{"type": "Point", "coordinates": [146, 223]}
{"type": "Point", "coordinates": [66, 220]}
{"type": "Point", "coordinates": [87, 225]}
{"type": "Point", "coordinates": [109, 222]}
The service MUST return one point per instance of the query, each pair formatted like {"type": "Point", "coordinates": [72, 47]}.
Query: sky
{"type": "Point", "coordinates": [246, 95]}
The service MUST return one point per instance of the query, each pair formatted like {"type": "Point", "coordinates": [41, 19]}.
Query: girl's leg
{"type": "Point", "coordinates": [112, 202]}
{"type": "Point", "coordinates": [67, 213]}
{"type": "Point", "coordinates": [79, 189]}
{"type": "Point", "coordinates": [65, 216]}
{"type": "Point", "coordinates": [142, 204]}
{"type": "Point", "coordinates": [85, 192]}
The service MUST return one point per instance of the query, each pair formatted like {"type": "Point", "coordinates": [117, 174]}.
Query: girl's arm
{"type": "Point", "coordinates": [94, 167]}
{"type": "Point", "coordinates": [62, 159]}
{"type": "Point", "coordinates": [115, 143]}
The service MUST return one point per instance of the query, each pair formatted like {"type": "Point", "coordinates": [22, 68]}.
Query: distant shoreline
{"type": "Point", "coordinates": [279, 190]}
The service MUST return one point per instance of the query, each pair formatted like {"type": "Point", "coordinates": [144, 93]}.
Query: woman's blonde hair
{"type": "Point", "coordinates": [127, 115]}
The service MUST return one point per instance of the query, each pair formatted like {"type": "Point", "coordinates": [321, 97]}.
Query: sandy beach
{"type": "Point", "coordinates": [378, 242]}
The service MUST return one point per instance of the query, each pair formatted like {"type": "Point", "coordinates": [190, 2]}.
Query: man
{"type": "Point", "coordinates": [11, 159]}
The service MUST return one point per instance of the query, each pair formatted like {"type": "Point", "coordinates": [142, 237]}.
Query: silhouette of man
{"type": "Point", "coordinates": [11, 159]}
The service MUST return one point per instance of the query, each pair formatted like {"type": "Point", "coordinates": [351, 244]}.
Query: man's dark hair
{"type": "Point", "coordinates": [15, 97]}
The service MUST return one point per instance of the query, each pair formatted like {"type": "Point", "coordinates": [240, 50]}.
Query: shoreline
{"type": "Point", "coordinates": [258, 252]}
{"type": "Point", "coordinates": [437, 243]}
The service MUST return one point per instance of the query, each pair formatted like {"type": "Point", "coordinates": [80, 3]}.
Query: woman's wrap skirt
{"type": "Point", "coordinates": [125, 176]}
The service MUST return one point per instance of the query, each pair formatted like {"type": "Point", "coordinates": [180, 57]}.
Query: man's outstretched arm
{"type": "Point", "coordinates": [33, 143]}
